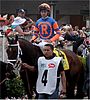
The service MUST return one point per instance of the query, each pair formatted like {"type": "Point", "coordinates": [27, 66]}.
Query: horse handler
{"type": "Point", "coordinates": [50, 71]}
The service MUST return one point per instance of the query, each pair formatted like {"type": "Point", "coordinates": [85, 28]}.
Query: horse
{"type": "Point", "coordinates": [30, 55]}
{"type": "Point", "coordinates": [6, 72]}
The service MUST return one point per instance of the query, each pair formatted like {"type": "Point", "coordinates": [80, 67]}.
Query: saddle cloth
{"type": "Point", "coordinates": [60, 53]}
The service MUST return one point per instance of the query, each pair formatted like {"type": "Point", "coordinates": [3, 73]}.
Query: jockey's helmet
{"type": "Point", "coordinates": [44, 6]}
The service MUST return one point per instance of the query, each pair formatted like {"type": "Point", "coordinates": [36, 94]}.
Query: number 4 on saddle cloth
{"type": "Point", "coordinates": [60, 53]}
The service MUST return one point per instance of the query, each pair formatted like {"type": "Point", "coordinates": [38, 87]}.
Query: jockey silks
{"type": "Point", "coordinates": [46, 27]}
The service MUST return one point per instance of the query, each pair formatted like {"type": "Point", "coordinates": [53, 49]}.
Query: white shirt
{"type": "Point", "coordinates": [47, 74]}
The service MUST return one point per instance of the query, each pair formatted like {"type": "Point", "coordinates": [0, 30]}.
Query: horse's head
{"type": "Point", "coordinates": [13, 48]}
{"type": "Point", "coordinates": [12, 39]}
{"type": "Point", "coordinates": [6, 70]}
{"type": "Point", "coordinates": [13, 53]}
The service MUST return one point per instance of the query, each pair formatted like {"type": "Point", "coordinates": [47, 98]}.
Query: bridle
{"type": "Point", "coordinates": [17, 61]}
{"type": "Point", "coordinates": [5, 79]}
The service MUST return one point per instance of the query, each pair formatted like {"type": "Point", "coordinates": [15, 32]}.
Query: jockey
{"type": "Point", "coordinates": [45, 26]}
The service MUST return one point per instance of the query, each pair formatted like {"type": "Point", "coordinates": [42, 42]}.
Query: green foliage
{"type": "Point", "coordinates": [15, 87]}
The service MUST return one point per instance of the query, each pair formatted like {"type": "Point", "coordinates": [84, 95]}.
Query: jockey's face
{"type": "Point", "coordinates": [47, 51]}
{"type": "Point", "coordinates": [44, 13]}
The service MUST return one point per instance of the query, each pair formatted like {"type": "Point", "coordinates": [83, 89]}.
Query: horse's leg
{"type": "Point", "coordinates": [71, 81]}
{"type": "Point", "coordinates": [80, 84]}
{"type": "Point", "coordinates": [24, 79]}
{"type": "Point", "coordinates": [33, 78]}
{"type": "Point", "coordinates": [29, 80]}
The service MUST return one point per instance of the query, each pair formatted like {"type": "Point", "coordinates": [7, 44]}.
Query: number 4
{"type": "Point", "coordinates": [44, 77]}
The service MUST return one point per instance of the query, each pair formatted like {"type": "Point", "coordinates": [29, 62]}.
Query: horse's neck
{"type": "Point", "coordinates": [30, 53]}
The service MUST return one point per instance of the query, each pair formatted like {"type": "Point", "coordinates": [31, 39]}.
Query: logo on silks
{"type": "Point", "coordinates": [51, 65]}
{"type": "Point", "coordinates": [45, 30]}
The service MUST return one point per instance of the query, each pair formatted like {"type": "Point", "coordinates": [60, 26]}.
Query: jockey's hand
{"type": "Point", "coordinates": [49, 41]}
{"type": "Point", "coordinates": [38, 41]}
{"type": "Point", "coordinates": [32, 41]}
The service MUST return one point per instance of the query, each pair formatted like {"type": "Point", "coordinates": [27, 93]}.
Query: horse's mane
{"type": "Point", "coordinates": [26, 42]}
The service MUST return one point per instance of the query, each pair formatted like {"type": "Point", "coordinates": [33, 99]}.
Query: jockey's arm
{"type": "Point", "coordinates": [58, 32]}
{"type": "Point", "coordinates": [56, 37]}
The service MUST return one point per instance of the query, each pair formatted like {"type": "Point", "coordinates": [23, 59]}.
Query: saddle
{"type": "Point", "coordinates": [60, 53]}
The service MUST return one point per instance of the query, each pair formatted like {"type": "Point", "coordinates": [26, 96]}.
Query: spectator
{"type": "Point", "coordinates": [3, 27]}
{"type": "Point", "coordinates": [29, 22]}
{"type": "Point", "coordinates": [20, 23]}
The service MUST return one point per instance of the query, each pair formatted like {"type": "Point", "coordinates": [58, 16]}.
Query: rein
{"type": "Point", "coordinates": [5, 79]}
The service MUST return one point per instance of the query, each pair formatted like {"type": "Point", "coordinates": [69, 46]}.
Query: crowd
{"type": "Point", "coordinates": [66, 35]}
{"type": "Point", "coordinates": [47, 30]}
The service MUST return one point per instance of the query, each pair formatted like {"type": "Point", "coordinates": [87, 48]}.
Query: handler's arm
{"type": "Point", "coordinates": [31, 68]}
{"type": "Point", "coordinates": [63, 80]}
